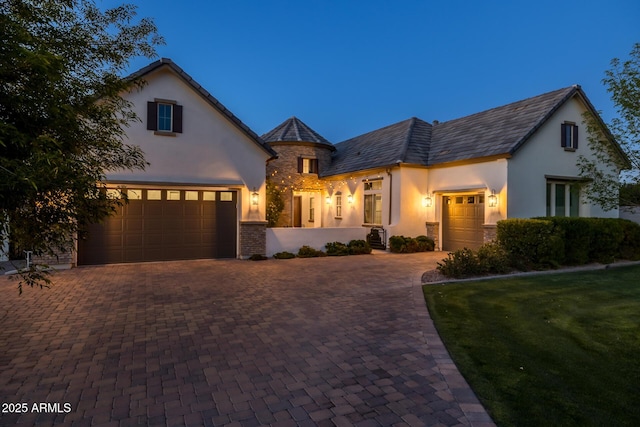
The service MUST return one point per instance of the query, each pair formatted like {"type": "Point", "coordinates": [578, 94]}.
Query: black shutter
{"type": "Point", "coordinates": [313, 166]}
{"type": "Point", "coordinates": [299, 164]}
{"type": "Point", "coordinates": [152, 116]}
{"type": "Point", "coordinates": [575, 137]}
{"type": "Point", "coordinates": [563, 135]}
{"type": "Point", "coordinates": [177, 118]}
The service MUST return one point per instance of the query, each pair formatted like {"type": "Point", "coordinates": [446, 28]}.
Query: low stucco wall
{"type": "Point", "coordinates": [630, 212]}
{"type": "Point", "coordinates": [291, 239]}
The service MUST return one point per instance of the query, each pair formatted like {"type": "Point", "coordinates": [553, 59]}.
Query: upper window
{"type": "Point", "coordinates": [569, 136]}
{"type": "Point", "coordinates": [164, 117]}
{"type": "Point", "coordinates": [306, 165]}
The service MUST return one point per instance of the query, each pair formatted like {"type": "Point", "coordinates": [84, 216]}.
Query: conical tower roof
{"type": "Point", "coordinates": [295, 130]}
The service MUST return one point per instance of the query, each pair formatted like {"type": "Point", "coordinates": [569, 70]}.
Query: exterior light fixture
{"type": "Point", "coordinates": [255, 197]}
{"type": "Point", "coordinates": [493, 199]}
{"type": "Point", "coordinates": [350, 198]}
{"type": "Point", "coordinates": [427, 201]}
{"type": "Point", "coordinates": [327, 200]}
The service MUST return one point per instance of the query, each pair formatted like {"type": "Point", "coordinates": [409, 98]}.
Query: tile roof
{"type": "Point", "coordinates": [207, 96]}
{"type": "Point", "coordinates": [498, 131]}
{"type": "Point", "coordinates": [295, 130]}
{"type": "Point", "coordinates": [404, 142]}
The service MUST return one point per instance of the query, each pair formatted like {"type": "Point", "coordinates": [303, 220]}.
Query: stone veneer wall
{"type": "Point", "coordinates": [63, 259]}
{"type": "Point", "coordinates": [433, 231]}
{"type": "Point", "coordinates": [490, 232]}
{"type": "Point", "coordinates": [253, 238]}
{"type": "Point", "coordinates": [283, 172]}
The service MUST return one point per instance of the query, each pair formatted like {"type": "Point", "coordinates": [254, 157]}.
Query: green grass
{"type": "Point", "coordinates": [556, 350]}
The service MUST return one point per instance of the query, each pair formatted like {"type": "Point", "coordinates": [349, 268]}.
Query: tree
{"type": "Point", "coordinates": [275, 204]}
{"type": "Point", "coordinates": [623, 82]}
{"type": "Point", "coordinates": [62, 118]}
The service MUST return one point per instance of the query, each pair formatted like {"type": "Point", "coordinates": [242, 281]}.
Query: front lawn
{"type": "Point", "coordinates": [557, 350]}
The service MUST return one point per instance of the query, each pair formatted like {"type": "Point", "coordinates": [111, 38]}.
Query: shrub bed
{"type": "Point", "coordinates": [354, 247]}
{"type": "Point", "coordinates": [539, 243]}
{"type": "Point", "coordinates": [284, 255]}
{"type": "Point", "coordinates": [309, 252]}
{"type": "Point", "coordinates": [402, 244]}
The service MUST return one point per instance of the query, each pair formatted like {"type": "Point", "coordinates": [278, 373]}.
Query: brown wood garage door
{"type": "Point", "coordinates": [161, 225]}
{"type": "Point", "coordinates": [462, 219]}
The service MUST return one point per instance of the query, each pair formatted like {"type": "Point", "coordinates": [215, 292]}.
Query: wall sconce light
{"type": "Point", "coordinates": [255, 197]}
{"type": "Point", "coordinates": [427, 201]}
{"type": "Point", "coordinates": [493, 199]}
{"type": "Point", "coordinates": [350, 198]}
{"type": "Point", "coordinates": [327, 200]}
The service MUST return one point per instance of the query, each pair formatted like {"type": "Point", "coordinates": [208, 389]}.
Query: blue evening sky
{"type": "Point", "coordinates": [350, 67]}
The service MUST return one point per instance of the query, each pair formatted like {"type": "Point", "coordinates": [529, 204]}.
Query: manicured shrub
{"type": "Point", "coordinates": [630, 246]}
{"type": "Point", "coordinates": [576, 234]}
{"type": "Point", "coordinates": [493, 259]}
{"type": "Point", "coordinates": [257, 257]}
{"type": "Point", "coordinates": [402, 244]}
{"type": "Point", "coordinates": [336, 249]}
{"type": "Point", "coordinates": [425, 243]}
{"type": "Point", "coordinates": [606, 238]}
{"type": "Point", "coordinates": [531, 243]}
{"type": "Point", "coordinates": [359, 247]}
{"type": "Point", "coordinates": [284, 255]}
{"type": "Point", "coordinates": [309, 252]}
{"type": "Point", "coordinates": [460, 264]}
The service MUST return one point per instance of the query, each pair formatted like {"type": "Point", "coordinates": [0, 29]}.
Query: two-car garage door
{"type": "Point", "coordinates": [164, 224]}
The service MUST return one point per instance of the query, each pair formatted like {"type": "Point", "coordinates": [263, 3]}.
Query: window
{"type": "Point", "coordinates": [173, 194]}
{"type": "Point", "coordinates": [339, 204]}
{"type": "Point", "coordinates": [563, 199]}
{"type": "Point", "coordinates": [164, 117]}
{"type": "Point", "coordinates": [134, 194]}
{"type": "Point", "coordinates": [154, 194]}
{"type": "Point", "coordinates": [226, 196]}
{"type": "Point", "coordinates": [373, 202]}
{"type": "Point", "coordinates": [306, 165]}
{"type": "Point", "coordinates": [208, 196]}
{"type": "Point", "coordinates": [312, 210]}
{"type": "Point", "coordinates": [191, 195]}
{"type": "Point", "coordinates": [569, 136]}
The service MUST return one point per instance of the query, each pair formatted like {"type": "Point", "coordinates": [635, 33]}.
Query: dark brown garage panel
{"type": "Point", "coordinates": [164, 225]}
{"type": "Point", "coordinates": [462, 219]}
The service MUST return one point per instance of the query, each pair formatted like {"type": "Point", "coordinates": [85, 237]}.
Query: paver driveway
{"type": "Point", "coordinates": [328, 341]}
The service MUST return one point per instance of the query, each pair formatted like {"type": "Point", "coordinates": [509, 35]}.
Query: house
{"type": "Point", "coordinates": [203, 192]}
{"type": "Point", "coordinates": [452, 181]}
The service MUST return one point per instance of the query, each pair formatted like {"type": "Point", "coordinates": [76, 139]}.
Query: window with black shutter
{"type": "Point", "coordinates": [164, 117]}
{"type": "Point", "coordinates": [569, 136]}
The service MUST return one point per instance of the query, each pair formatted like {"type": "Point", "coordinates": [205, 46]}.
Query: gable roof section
{"type": "Point", "coordinates": [403, 142]}
{"type": "Point", "coordinates": [295, 130]}
{"type": "Point", "coordinates": [166, 62]}
{"type": "Point", "coordinates": [494, 132]}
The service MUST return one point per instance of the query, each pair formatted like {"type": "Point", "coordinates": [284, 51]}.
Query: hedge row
{"type": "Point", "coordinates": [354, 247]}
{"type": "Point", "coordinates": [540, 243]}
{"type": "Point", "coordinates": [402, 244]}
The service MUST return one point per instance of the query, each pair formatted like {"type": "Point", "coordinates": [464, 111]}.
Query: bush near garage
{"type": "Point", "coordinates": [402, 244]}
{"type": "Point", "coordinates": [527, 244]}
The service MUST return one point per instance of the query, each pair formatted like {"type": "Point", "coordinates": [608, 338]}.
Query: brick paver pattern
{"type": "Point", "coordinates": [326, 341]}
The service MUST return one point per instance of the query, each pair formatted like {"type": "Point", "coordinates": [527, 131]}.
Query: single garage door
{"type": "Point", "coordinates": [164, 224]}
{"type": "Point", "coordinates": [462, 219]}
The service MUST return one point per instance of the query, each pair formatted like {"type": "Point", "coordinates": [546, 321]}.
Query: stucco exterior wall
{"type": "Point", "coordinates": [291, 239]}
{"type": "Point", "coordinates": [408, 215]}
{"type": "Point", "coordinates": [210, 151]}
{"type": "Point", "coordinates": [470, 178]}
{"type": "Point", "coordinates": [542, 155]}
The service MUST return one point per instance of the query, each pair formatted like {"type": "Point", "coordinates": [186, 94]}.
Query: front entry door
{"type": "Point", "coordinates": [297, 211]}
